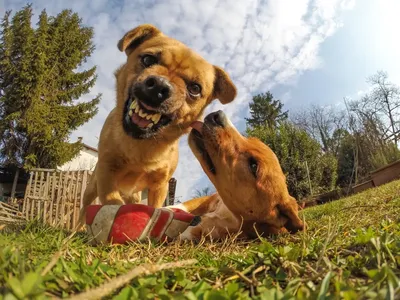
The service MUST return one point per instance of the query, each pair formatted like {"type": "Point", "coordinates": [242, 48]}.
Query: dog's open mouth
{"type": "Point", "coordinates": [142, 121]}
{"type": "Point", "coordinates": [199, 141]}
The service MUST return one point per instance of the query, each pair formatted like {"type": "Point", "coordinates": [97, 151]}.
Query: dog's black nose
{"type": "Point", "coordinates": [217, 118]}
{"type": "Point", "coordinates": [156, 89]}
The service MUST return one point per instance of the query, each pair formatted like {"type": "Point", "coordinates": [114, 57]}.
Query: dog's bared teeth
{"type": "Point", "coordinates": [155, 118]}
{"type": "Point", "coordinates": [133, 105]}
{"type": "Point", "coordinates": [137, 109]}
{"type": "Point", "coordinates": [150, 125]}
{"type": "Point", "coordinates": [142, 114]}
{"type": "Point", "coordinates": [148, 117]}
{"type": "Point", "coordinates": [130, 113]}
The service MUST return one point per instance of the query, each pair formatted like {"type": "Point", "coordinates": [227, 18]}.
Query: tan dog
{"type": "Point", "coordinates": [251, 187]}
{"type": "Point", "coordinates": [162, 88]}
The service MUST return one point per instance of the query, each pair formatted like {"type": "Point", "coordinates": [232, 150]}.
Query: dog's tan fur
{"type": "Point", "coordinates": [243, 201]}
{"type": "Point", "coordinates": [126, 165]}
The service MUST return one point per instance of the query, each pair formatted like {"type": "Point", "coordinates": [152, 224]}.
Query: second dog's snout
{"type": "Point", "coordinates": [217, 118]}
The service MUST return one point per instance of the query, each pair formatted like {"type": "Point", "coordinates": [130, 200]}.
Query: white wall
{"type": "Point", "coordinates": [85, 160]}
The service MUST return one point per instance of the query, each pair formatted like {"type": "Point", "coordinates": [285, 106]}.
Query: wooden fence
{"type": "Point", "coordinates": [55, 196]}
{"type": "Point", "coordinates": [376, 178]}
{"type": "Point", "coordinates": [9, 214]}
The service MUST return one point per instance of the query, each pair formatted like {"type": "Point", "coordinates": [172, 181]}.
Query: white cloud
{"type": "Point", "coordinates": [286, 97]}
{"type": "Point", "coordinates": [260, 43]}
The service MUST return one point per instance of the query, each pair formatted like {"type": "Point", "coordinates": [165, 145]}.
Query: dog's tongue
{"type": "Point", "coordinates": [141, 122]}
{"type": "Point", "coordinates": [198, 126]}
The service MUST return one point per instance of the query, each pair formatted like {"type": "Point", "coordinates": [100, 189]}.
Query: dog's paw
{"type": "Point", "coordinates": [186, 235]}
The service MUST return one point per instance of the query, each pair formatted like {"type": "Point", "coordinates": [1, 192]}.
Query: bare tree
{"type": "Point", "coordinates": [203, 192]}
{"type": "Point", "coordinates": [370, 132]}
{"type": "Point", "coordinates": [325, 124]}
{"type": "Point", "coordinates": [384, 99]}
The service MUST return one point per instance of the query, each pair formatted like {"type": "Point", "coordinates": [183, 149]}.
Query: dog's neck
{"type": "Point", "coordinates": [148, 149]}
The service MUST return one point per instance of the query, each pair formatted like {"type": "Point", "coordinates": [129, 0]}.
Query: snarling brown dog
{"type": "Point", "coordinates": [251, 187]}
{"type": "Point", "coordinates": [162, 88]}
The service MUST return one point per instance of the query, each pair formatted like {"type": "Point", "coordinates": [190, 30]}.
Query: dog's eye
{"type": "Point", "coordinates": [194, 89]}
{"type": "Point", "coordinates": [253, 165]}
{"type": "Point", "coordinates": [149, 60]}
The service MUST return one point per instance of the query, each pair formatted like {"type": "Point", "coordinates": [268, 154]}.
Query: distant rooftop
{"type": "Point", "coordinates": [87, 146]}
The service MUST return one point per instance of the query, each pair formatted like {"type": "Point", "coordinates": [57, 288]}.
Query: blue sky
{"type": "Point", "coordinates": [304, 51]}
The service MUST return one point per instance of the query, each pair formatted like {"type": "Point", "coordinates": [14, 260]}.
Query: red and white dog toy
{"type": "Point", "coordinates": [119, 224]}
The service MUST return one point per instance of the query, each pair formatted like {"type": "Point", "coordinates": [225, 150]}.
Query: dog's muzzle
{"type": "Point", "coordinates": [153, 91]}
{"type": "Point", "coordinates": [144, 112]}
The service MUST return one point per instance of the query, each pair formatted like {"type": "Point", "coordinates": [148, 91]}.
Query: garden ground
{"type": "Point", "coordinates": [351, 250]}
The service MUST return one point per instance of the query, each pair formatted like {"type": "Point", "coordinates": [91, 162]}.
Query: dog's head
{"type": "Point", "coordinates": [245, 172]}
{"type": "Point", "coordinates": [164, 86]}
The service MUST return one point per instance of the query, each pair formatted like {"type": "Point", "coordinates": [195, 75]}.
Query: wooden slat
{"type": "Point", "coordinates": [9, 215]}
{"type": "Point", "coordinates": [34, 193]}
{"type": "Point", "coordinates": [6, 205]}
{"type": "Point", "coordinates": [10, 220]}
{"type": "Point", "coordinates": [27, 192]}
{"type": "Point", "coordinates": [63, 200]}
{"type": "Point", "coordinates": [79, 175]}
{"type": "Point", "coordinates": [41, 194]}
{"type": "Point", "coordinates": [44, 170]}
{"type": "Point", "coordinates": [39, 198]}
{"type": "Point", "coordinates": [69, 201]}
{"type": "Point", "coordinates": [52, 195]}
{"type": "Point", "coordinates": [7, 209]}
{"type": "Point", "coordinates": [58, 199]}
{"type": "Point", "coordinates": [46, 197]}
{"type": "Point", "coordinates": [83, 187]}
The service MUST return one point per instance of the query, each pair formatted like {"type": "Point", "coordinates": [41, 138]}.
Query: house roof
{"type": "Point", "coordinates": [90, 147]}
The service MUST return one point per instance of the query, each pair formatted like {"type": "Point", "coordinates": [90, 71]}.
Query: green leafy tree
{"type": "Point", "coordinates": [41, 79]}
{"type": "Point", "coordinates": [266, 111]}
{"type": "Point", "coordinates": [346, 158]}
{"type": "Point", "coordinates": [301, 159]}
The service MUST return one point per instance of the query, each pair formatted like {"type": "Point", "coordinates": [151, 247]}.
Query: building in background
{"type": "Point", "coordinates": [85, 160]}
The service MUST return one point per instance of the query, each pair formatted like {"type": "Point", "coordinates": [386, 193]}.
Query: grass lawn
{"type": "Point", "coordinates": [351, 250]}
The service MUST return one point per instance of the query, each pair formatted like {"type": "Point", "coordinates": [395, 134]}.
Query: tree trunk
{"type": "Point", "coordinates": [14, 186]}
{"type": "Point", "coordinates": [392, 121]}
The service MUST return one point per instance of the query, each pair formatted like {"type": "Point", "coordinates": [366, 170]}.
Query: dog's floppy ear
{"type": "Point", "coordinates": [133, 38]}
{"type": "Point", "coordinates": [289, 209]}
{"type": "Point", "coordinates": [224, 89]}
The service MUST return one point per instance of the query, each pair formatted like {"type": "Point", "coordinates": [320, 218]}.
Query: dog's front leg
{"type": "Point", "coordinates": [107, 187]}
{"type": "Point", "coordinates": [157, 195]}
{"type": "Point", "coordinates": [89, 196]}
